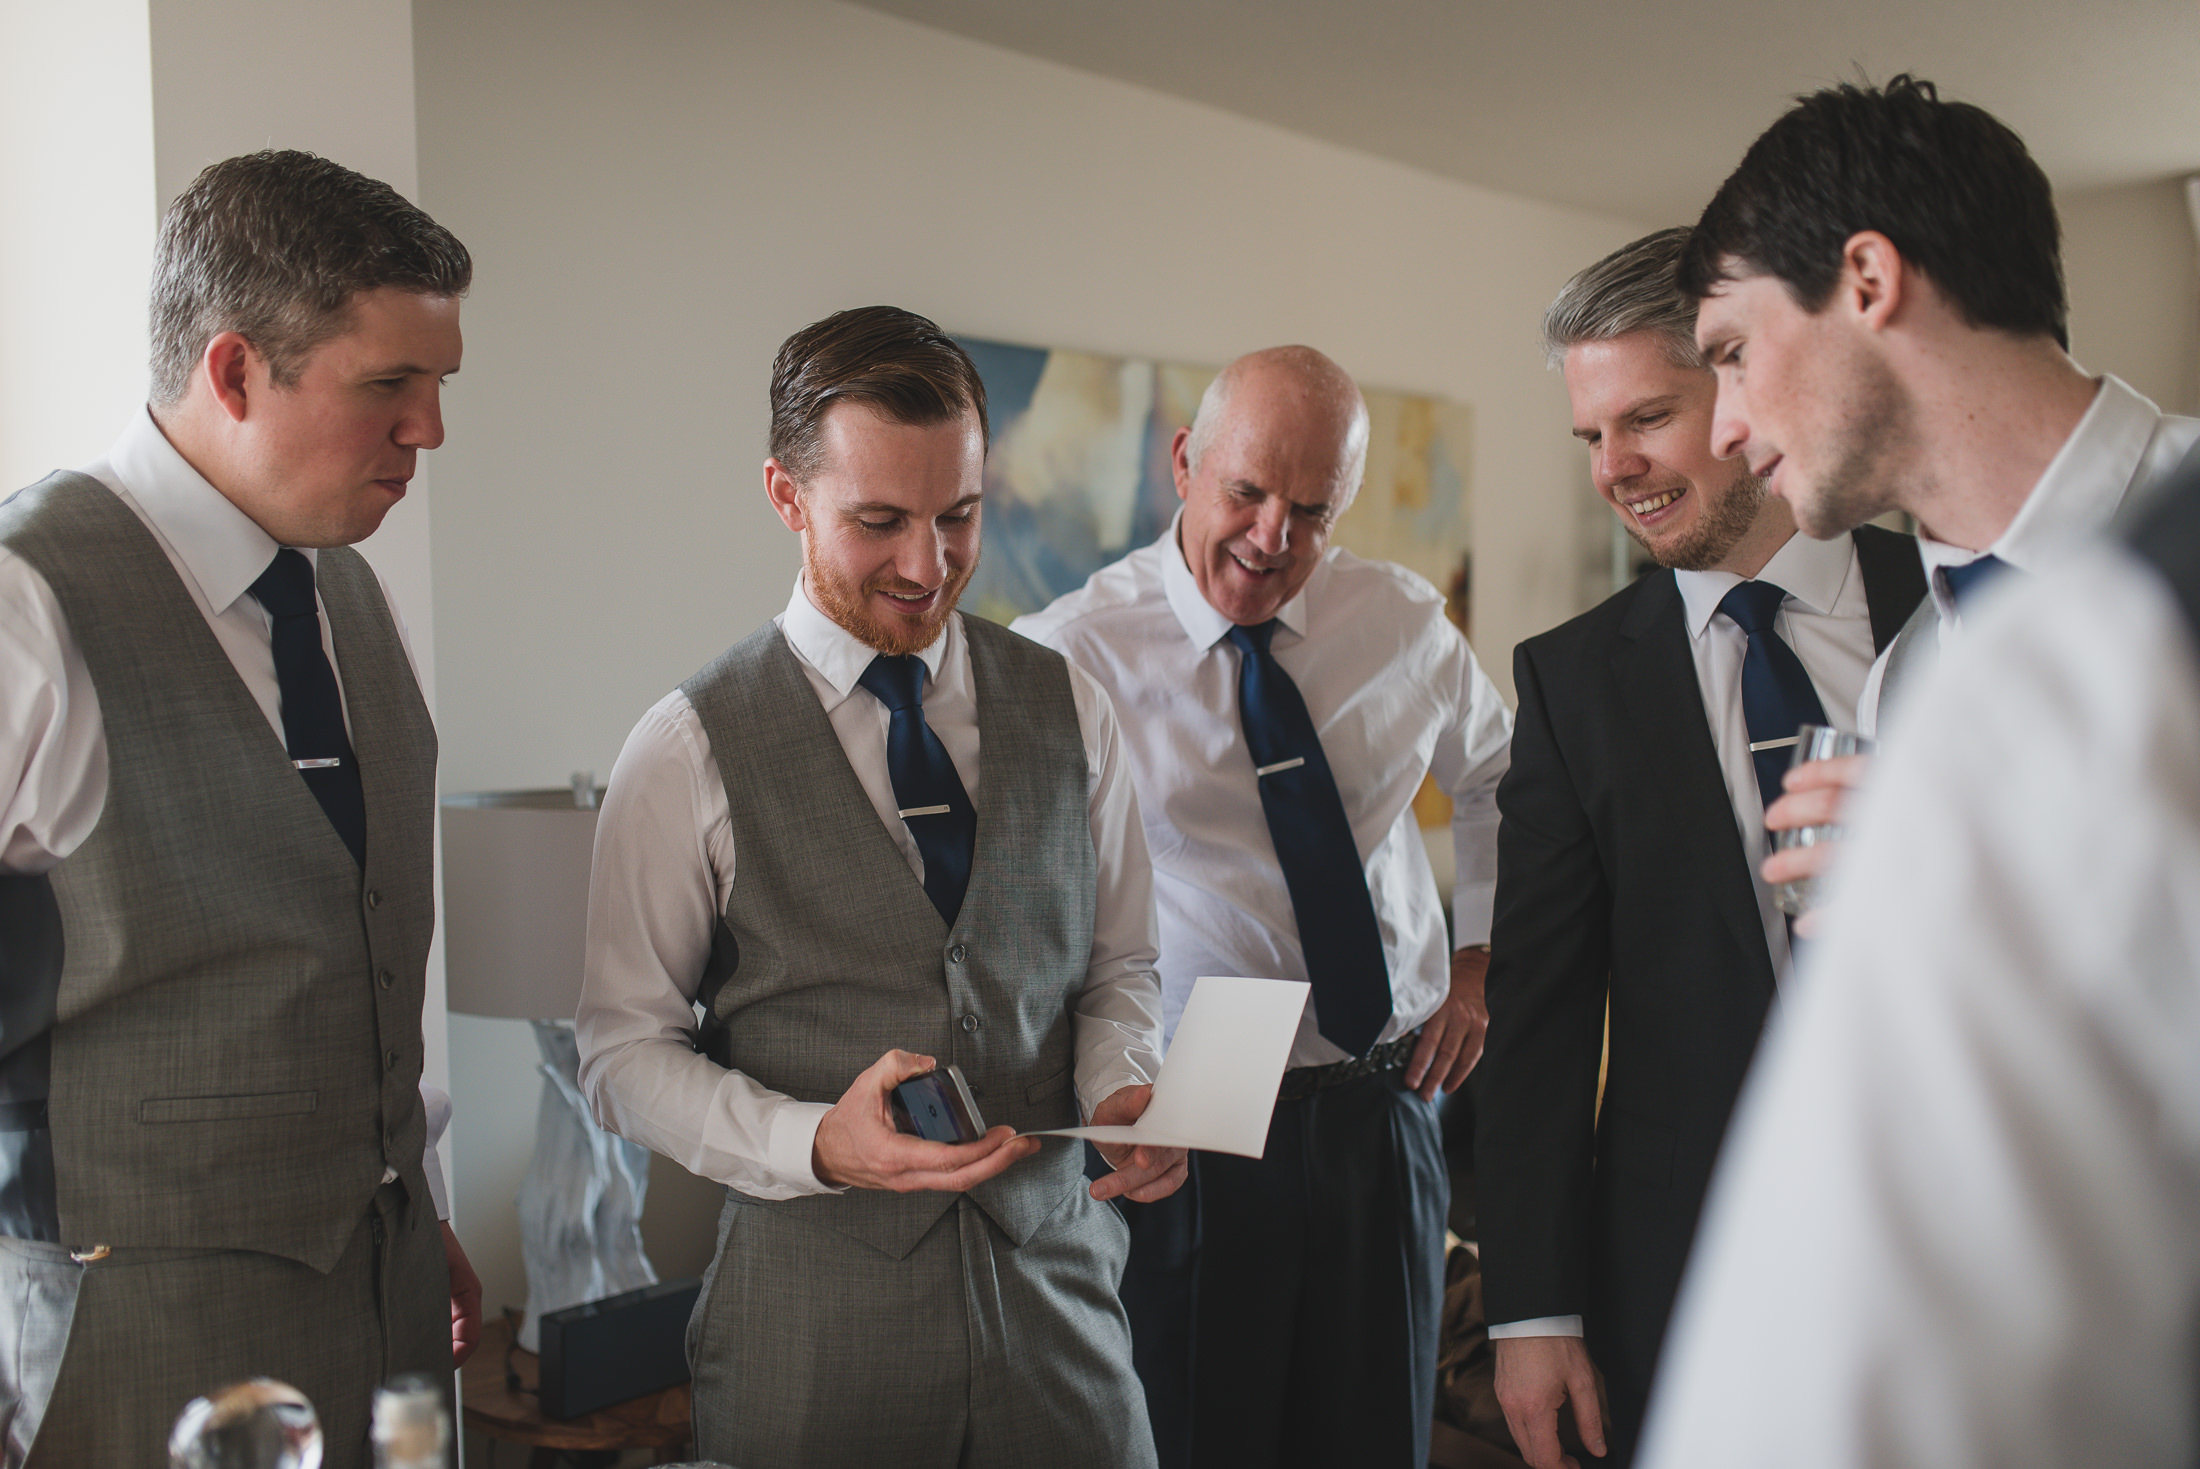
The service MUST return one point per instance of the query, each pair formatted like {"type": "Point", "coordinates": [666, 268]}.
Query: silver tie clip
{"type": "Point", "coordinates": [1291, 764]}
{"type": "Point", "coordinates": [924, 811]}
{"type": "Point", "coordinates": [328, 763]}
{"type": "Point", "coordinates": [1774, 744]}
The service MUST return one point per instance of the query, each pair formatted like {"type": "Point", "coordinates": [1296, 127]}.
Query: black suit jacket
{"type": "Point", "coordinates": [1621, 880]}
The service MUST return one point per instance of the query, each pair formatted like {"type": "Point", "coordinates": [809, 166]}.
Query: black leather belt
{"type": "Point", "coordinates": [1301, 1082]}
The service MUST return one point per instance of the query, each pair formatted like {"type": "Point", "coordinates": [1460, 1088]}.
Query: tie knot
{"type": "Point", "coordinates": [1253, 641]}
{"type": "Point", "coordinates": [1752, 605]}
{"type": "Point", "coordinates": [896, 681]}
{"type": "Point", "coordinates": [1965, 581]}
{"type": "Point", "coordinates": [285, 589]}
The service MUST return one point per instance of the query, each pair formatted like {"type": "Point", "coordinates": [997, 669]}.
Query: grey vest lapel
{"type": "Point", "coordinates": [2165, 532]}
{"type": "Point", "coordinates": [830, 954]}
{"type": "Point", "coordinates": [236, 1048]}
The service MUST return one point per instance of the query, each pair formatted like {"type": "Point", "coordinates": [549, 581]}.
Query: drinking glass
{"type": "Point", "coordinates": [1812, 742]}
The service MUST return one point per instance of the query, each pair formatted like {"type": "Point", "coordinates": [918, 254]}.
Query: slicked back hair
{"type": "Point", "coordinates": [1947, 182]}
{"type": "Point", "coordinates": [274, 245]}
{"type": "Point", "coordinates": [1633, 289]}
{"type": "Point", "coordinates": [894, 362]}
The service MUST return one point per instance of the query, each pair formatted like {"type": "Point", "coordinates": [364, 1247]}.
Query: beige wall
{"type": "Point", "coordinates": [659, 192]}
{"type": "Point", "coordinates": [2134, 275]}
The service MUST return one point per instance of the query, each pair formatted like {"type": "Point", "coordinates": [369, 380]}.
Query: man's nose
{"type": "Point", "coordinates": [1729, 424]}
{"type": "Point", "coordinates": [1271, 529]}
{"type": "Point", "coordinates": [422, 425]}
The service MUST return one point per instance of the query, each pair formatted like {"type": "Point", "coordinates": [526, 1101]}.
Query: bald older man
{"type": "Point", "coordinates": [1282, 700]}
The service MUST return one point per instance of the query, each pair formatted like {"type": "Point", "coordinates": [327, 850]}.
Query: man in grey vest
{"type": "Point", "coordinates": [217, 804]}
{"type": "Point", "coordinates": [1881, 298]}
{"type": "Point", "coordinates": [872, 837]}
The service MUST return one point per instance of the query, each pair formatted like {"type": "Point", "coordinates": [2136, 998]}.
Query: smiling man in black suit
{"type": "Point", "coordinates": [1632, 830]}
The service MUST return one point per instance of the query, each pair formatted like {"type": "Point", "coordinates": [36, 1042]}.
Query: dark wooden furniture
{"type": "Point", "coordinates": [658, 1421]}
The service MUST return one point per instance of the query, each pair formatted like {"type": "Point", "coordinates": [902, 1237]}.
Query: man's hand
{"type": "Point", "coordinates": [1817, 793]}
{"type": "Point", "coordinates": [1535, 1375]}
{"type": "Point", "coordinates": [857, 1146]}
{"type": "Point", "coordinates": [465, 1299]}
{"type": "Point", "coordinates": [1141, 1173]}
{"type": "Point", "coordinates": [1451, 1041]}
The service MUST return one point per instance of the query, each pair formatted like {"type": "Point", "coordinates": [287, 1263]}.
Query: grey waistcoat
{"type": "Point", "coordinates": [829, 954]}
{"type": "Point", "coordinates": [235, 1046]}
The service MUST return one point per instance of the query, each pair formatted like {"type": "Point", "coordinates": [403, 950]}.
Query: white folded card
{"type": "Point", "coordinates": [1217, 1087]}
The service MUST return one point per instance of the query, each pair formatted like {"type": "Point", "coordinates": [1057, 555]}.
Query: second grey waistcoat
{"type": "Point", "coordinates": [236, 1047]}
{"type": "Point", "coordinates": [830, 954]}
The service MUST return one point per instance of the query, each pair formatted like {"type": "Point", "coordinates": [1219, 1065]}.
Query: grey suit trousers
{"type": "Point", "coordinates": [96, 1360]}
{"type": "Point", "coordinates": [813, 1350]}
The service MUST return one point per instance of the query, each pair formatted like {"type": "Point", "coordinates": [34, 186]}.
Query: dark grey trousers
{"type": "Point", "coordinates": [813, 1350]}
{"type": "Point", "coordinates": [1320, 1284]}
{"type": "Point", "coordinates": [96, 1360]}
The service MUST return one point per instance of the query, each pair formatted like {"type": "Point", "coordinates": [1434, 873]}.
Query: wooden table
{"type": "Point", "coordinates": [658, 1421]}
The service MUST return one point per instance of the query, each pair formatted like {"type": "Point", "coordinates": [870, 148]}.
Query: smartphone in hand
{"type": "Point", "coordinates": [938, 1107]}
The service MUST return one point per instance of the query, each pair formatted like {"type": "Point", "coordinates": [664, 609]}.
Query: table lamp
{"type": "Point", "coordinates": [515, 915]}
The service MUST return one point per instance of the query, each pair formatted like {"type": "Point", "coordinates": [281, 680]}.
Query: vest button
{"type": "Point", "coordinates": [389, 1060]}
{"type": "Point", "coordinates": [374, 898]}
{"type": "Point", "coordinates": [385, 979]}
{"type": "Point", "coordinates": [971, 1024]}
{"type": "Point", "coordinates": [958, 954]}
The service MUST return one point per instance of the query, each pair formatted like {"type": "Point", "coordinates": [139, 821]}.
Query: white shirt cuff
{"type": "Point", "coordinates": [794, 1143]}
{"type": "Point", "coordinates": [436, 1103]}
{"type": "Point", "coordinates": [1539, 1326]}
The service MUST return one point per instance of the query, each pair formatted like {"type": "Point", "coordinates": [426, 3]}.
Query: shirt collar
{"type": "Point", "coordinates": [838, 655]}
{"type": "Point", "coordinates": [2076, 496]}
{"type": "Point", "coordinates": [1811, 572]}
{"type": "Point", "coordinates": [223, 548]}
{"type": "Point", "coordinates": [2079, 492]}
{"type": "Point", "coordinates": [1197, 616]}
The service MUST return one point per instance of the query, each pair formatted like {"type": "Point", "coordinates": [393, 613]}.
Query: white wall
{"type": "Point", "coordinates": [657, 193]}
{"type": "Point", "coordinates": [77, 216]}
{"type": "Point", "coordinates": [2134, 275]}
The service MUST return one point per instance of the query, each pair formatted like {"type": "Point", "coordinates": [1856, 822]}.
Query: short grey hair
{"type": "Point", "coordinates": [1315, 368]}
{"type": "Point", "coordinates": [1634, 289]}
{"type": "Point", "coordinates": [274, 246]}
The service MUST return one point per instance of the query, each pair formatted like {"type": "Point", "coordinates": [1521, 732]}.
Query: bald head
{"type": "Point", "coordinates": [1290, 391]}
{"type": "Point", "coordinates": [1273, 458]}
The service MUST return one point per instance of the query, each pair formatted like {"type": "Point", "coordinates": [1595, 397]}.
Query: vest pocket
{"type": "Point", "coordinates": [227, 1109]}
{"type": "Point", "coordinates": [1053, 1086]}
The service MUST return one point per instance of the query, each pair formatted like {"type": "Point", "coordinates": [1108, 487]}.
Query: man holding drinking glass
{"type": "Point", "coordinates": [1650, 731]}
{"type": "Point", "coordinates": [1880, 294]}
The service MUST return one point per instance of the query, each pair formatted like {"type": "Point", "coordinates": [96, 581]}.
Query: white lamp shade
{"type": "Point", "coordinates": [515, 902]}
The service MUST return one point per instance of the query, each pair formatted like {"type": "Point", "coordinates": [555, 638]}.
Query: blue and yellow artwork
{"type": "Point", "coordinates": [1079, 473]}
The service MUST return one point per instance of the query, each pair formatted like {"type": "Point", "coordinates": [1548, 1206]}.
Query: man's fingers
{"type": "Point", "coordinates": [1587, 1418]}
{"type": "Point", "coordinates": [1821, 807]}
{"type": "Point", "coordinates": [998, 1160]}
{"type": "Point", "coordinates": [1797, 863]}
{"type": "Point", "coordinates": [1450, 1036]}
{"type": "Point", "coordinates": [1841, 772]}
{"type": "Point", "coordinates": [1462, 1062]}
{"type": "Point", "coordinates": [1424, 1052]}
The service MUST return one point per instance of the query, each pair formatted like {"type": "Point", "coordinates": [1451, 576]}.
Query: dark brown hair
{"type": "Point", "coordinates": [274, 245]}
{"type": "Point", "coordinates": [1947, 182]}
{"type": "Point", "coordinates": [894, 362]}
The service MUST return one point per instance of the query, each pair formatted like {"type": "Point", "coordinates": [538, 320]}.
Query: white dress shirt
{"type": "Point", "coordinates": [1825, 619]}
{"type": "Point", "coordinates": [1395, 694]}
{"type": "Point", "coordinates": [2123, 446]}
{"type": "Point", "coordinates": [1958, 1219]}
{"type": "Point", "coordinates": [664, 869]}
{"type": "Point", "coordinates": [53, 746]}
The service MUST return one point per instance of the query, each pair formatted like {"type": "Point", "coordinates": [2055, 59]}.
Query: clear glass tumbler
{"type": "Point", "coordinates": [1812, 742]}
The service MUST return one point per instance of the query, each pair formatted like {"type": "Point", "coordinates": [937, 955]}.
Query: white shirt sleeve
{"type": "Point", "coordinates": [53, 748]}
{"type": "Point", "coordinates": [1118, 1029]}
{"type": "Point", "coordinates": [1958, 1219]}
{"type": "Point", "coordinates": [1473, 752]}
{"type": "Point", "coordinates": [664, 849]}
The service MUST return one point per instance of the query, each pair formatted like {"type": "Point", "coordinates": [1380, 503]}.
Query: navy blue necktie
{"type": "Point", "coordinates": [930, 794]}
{"type": "Point", "coordinates": [1777, 697]}
{"type": "Point", "coordinates": [1965, 581]}
{"type": "Point", "coordinates": [313, 710]}
{"type": "Point", "coordinates": [1321, 863]}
